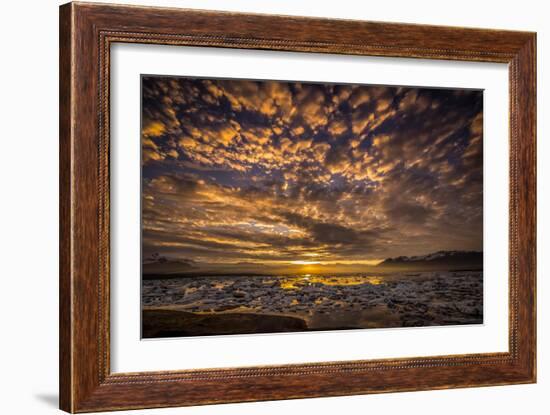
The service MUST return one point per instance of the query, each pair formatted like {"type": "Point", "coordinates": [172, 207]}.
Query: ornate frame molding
{"type": "Point", "coordinates": [87, 31]}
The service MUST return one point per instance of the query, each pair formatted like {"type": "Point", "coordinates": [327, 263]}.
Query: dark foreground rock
{"type": "Point", "coordinates": [173, 323]}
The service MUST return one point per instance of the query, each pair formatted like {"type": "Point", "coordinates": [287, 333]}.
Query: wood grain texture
{"type": "Point", "coordinates": [65, 249]}
{"type": "Point", "coordinates": [86, 33]}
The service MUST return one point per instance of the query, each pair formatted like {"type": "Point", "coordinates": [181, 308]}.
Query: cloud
{"type": "Point", "coordinates": [153, 129]}
{"type": "Point", "coordinates": [274, 171]}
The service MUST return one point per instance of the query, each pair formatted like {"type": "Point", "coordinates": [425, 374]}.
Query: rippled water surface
{"type": "Point", "coordinates": [329, 301]}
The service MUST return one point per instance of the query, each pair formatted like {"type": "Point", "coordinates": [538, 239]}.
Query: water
{"type": "Point", "coordinates": [328, 302]}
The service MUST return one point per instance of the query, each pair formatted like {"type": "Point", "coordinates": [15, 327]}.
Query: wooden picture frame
{"type": "Point", "coordinates": [86, 33]}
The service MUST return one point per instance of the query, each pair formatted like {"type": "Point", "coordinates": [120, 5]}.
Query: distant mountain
{"type": "Point", "coordinates": [448, 260]}
{"type": "Point", "coordinates": [157, 264]}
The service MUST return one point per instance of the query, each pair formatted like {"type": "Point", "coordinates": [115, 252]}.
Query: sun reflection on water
{"type": "Point", "coordinates": [296, 283]}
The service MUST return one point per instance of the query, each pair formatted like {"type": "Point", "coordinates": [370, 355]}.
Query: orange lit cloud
{"type": "Point", "coordinates": [308, 173]}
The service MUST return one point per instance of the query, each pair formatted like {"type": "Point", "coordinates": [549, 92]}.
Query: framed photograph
{"type": "Point", "coordinates": [261, 207]}
{"type": "Point", "coordinates": [268, 205]}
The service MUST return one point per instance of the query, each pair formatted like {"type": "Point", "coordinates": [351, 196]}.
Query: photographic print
{"type": "Point", "coordinates": [285, 206]}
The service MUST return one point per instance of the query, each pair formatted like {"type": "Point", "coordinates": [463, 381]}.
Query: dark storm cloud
{"type": "Point", "coordinates": [279, 171]}
{"type": "Point", "coordinates": [331, 234]}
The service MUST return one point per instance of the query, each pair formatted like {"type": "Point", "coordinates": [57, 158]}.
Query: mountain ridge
{"type": "Point", "coordinates": [439, 259]}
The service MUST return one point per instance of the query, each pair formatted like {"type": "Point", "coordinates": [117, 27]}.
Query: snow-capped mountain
{"type": "Point", "coordinates": [439, 259]}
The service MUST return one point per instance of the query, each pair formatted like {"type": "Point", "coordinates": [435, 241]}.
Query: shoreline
{"type": "Point", "coordinates": [162, 323]}
{"type": "Point", "coordinates": [383, 272]}
{"type": "Point", "coordinates": [279, 304]}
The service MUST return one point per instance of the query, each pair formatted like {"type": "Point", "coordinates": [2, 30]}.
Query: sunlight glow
{"type": "Point", "coordinates": [297, 283]}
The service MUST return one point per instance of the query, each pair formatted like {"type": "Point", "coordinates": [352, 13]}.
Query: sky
{"type": "Point", "coordinates": [277, 172]}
